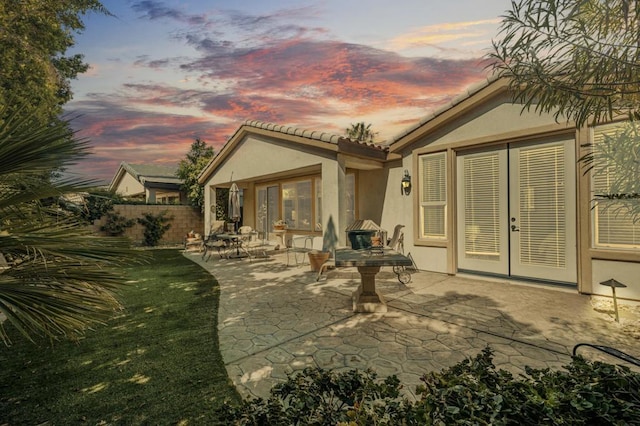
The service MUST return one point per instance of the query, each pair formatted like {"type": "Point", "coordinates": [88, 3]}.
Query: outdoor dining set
{"type": "Point", "coordinates": [366, 252]}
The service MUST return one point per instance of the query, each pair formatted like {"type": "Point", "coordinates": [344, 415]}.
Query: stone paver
{"type": "Point", "coordinates": [275, 320]}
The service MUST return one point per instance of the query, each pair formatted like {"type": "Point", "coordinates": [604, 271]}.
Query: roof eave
{"type": "Point", "coordinates": [118, 177]}
{"type": "Point", "coordinates": [458, 106]}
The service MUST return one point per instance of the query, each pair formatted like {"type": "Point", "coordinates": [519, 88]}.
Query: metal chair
{"type": "Point", "coordinates": [610, 351]}
{"type": "Point", "coordinates": [211, 242]}
{"type": "Point", "coordinates": [300, 246]}
{"type": "Point", "coordinates": [250, 243]}
{"type": "Point", "coordinates": [397, 239]}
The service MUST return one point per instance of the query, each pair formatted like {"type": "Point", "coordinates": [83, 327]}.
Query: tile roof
{"type": "Point", "coordinates": [309, 134]}
{"type": "Point", "coordinates": [149, 175]}
{"type": "Point", "coordinates": [167, 173]}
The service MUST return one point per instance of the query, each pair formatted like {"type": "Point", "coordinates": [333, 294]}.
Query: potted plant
{"type": "Point", "coordinates": [279, 224]}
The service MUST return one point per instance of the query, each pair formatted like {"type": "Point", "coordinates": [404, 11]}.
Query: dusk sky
{"type": "Point", "coordinates": [165, 72]}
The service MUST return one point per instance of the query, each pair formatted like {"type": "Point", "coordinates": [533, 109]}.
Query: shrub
{"type": "Point", "coordinates": [116, 224]}
{"type": "Point", "coordinates": [471, 392]}
{"type": "Point", "coordinates": [154, 227]}
{"type": "Point", "coordinates": [98, 203]}
{"type": "Point", "coordinates": [317, 396]}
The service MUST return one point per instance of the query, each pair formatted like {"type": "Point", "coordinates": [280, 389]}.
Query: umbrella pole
{"type": "Point", "coordinates": [615, 304]}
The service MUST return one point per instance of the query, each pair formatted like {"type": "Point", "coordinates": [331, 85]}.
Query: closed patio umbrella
{"type": "Point", "coordinates": [234, 203]}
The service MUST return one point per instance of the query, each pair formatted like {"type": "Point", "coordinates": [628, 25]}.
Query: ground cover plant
{"type": "Point", "coordinates": [156, 362]}
{"type": "Point", "coordinates": [472, 392]}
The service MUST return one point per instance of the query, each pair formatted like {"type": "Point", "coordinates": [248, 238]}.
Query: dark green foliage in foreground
{"type": "Point", "coordinates": [471, 392]}
{"type": "Point", "coordinates": [154, 227]}
{"type": "Point", "coordinates": [157, 362]}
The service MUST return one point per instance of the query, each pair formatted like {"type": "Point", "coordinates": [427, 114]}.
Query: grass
{"type": "Point", "coordinates": [158, 362]}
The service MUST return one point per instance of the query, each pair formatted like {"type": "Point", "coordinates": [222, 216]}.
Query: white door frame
{"type": "Point", "coordinates": [497, 181]}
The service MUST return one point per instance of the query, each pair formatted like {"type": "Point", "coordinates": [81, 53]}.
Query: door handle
{"type": "Point", "coordinates": [515, 228]}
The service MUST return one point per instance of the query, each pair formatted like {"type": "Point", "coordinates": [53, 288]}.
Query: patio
{"type": "Point", "coordinates": [275, 319]}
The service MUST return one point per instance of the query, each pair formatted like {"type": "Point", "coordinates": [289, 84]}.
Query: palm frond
{"type": "Point", "coordinates": [61, 279]}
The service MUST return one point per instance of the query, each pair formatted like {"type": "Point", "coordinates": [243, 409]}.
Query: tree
{"type": "Point", "coordinates": [580, 60]}
{"type": "Point", "coordinates": [361, 132]}
{"type": "Point", "coordinates": [575, 58]}
{"type": "Point", "coordinates": [190, 167]}
{"type": "Point", "coordinates": [35, 36]}
{"type": "Point", "coordinates": [59, 279]}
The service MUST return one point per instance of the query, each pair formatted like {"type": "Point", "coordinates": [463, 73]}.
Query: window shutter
{"type": "Point", "coordinates": [433, 195]}
{"type": "Point", "coordinates": [613, 226]}
{"type": "Point", "coordinates": [542, 206]}
{"type": "Point", "coordinates": [482, 207]}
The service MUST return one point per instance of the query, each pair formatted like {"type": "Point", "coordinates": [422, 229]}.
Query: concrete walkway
{"type": "Point", "coordinates": [274, 320]}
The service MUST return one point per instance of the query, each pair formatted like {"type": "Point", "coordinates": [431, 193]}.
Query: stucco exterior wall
{"type": "Point", "coordinates": [255, 157]}
{"type": "Point", "coordinates": [624, 272]}
{"type": "Point", "coordinates": [498, 116]}
{"type": "Point", "coordinates": [372, 194]}
{"type": "Point", "coordinates": [399, 209]}
{"type": "Point", "coordinates": [128, 185]}
{"type": "Point", "coordinates": [499, 120]}
{"type": "Point", "coordinates": [185, 219]}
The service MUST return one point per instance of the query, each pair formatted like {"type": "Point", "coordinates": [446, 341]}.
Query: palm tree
{"type": "Point", "coordinates": [58, 279]}
{"type": "Point", "coordinates": [361, 132]}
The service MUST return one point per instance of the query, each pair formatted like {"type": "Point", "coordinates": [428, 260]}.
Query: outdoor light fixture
{"type": "Point", "coordinates": [614, 284]}
{"type": "Point", "coordinates": [405, 184]}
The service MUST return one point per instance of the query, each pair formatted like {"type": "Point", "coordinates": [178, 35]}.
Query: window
{"type": "Point", "coordinates": [615, 177]}
{"type": "Point", "coordinates": [433, 195]}
{"type": "Point", "coordinates": [297, 204]}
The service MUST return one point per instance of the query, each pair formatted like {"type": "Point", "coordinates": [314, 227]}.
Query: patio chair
{"type": "Point", "coordinates": [328, 264]}
{"type": "Point", "coordinates": [397, 239]}
{"type": "Point", "coordinates": [300, 246]}
{"type": "Point", "coordinates": [212, 242]}
{"type": "Point", "coordinates": [250, 243]}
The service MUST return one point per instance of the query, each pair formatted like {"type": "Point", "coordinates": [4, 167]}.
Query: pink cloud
{"type": "Point", "coordinates": [273, 71]}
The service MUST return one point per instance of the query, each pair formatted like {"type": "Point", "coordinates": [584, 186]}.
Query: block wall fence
{"type": "Point", "coordinates": [185, 219]}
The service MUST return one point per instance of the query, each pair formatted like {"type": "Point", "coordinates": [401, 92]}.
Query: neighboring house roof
{"type": "Point", "coordinates": [303, 137]}
{"type": "Point", "coordinates": [149, 175]}
{"type": "Point", "coordinates": [461, 103]}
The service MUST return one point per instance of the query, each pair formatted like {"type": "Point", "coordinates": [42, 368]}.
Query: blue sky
{"type": "Point", "coordinates": [165, 72]}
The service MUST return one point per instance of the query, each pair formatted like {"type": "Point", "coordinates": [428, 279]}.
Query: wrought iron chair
{"type": "Point", "coordinates": [250, 243]}
{"type": "Point", "coordinates": [212, 242]}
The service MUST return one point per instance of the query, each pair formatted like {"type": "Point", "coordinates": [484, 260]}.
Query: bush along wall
{"type": "Point", "coordinates": [472, 392]}
{"type": "Point", "coordinates": [184, 220]}
{"type": "Point", "coordinates": [154, 227]}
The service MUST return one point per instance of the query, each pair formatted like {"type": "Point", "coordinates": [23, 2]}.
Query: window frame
{"type": "Point", "coordinates": [423, 204]}
{"type": "Point", "coordinates": [595, 213]}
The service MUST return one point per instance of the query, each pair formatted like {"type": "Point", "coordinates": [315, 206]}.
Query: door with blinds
{"type": "Point", "coordinates": [516, 211]}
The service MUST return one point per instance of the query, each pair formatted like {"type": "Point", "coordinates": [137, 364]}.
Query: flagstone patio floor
{"type": "Point", "coordinates": [276, 319]}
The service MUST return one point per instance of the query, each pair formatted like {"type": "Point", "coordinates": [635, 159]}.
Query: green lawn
{"type": "Point", "coordinates": [158, 362]}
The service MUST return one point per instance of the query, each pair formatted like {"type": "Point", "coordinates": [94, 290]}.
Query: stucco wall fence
{"type": "Point", "coordinates": [185, 219]}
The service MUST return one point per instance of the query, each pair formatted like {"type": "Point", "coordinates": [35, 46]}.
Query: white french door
{"type": "Point", "coordinates": [516, 211]}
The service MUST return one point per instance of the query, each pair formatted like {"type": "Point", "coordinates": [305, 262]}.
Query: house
{"type": "Point", "coordinates": [482, 186]}
{"type": "Point", "coordinates": [302, 177]}
{"type": "Point", "coordinates": [148, 182]}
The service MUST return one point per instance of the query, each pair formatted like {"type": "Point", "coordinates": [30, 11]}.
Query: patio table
{"type": "Point", "coordinates": [234, 240]}
{"type": "Point", "coordinates": [366, 298]}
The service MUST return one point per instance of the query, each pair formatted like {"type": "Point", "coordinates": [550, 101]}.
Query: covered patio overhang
{"type": "Point", "coordinates": [310, 178]}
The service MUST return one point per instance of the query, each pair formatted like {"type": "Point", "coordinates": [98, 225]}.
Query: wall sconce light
{"type": "Point", "coordinates": [405, 184]}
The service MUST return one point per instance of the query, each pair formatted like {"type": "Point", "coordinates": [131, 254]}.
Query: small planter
{"type": "Point", "coordinates": [317, 258]}
{"type": "Point", "coordinates": [279, 227]}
